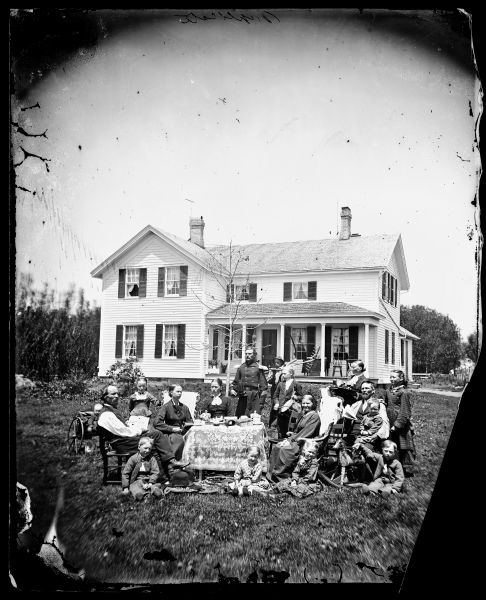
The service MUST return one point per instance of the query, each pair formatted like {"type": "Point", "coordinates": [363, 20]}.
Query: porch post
{"type": "Point", "coordinates": [243, 340]}
{"type": "Point", "coordinates": [323, 350]}
{"type": "Point", "coordinates": [367, 348]}
{"type": "Point", "coordinates": [282, 340]}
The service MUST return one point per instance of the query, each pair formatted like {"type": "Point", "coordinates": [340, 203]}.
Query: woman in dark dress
{"type": "Point", "coordinates": [307, 427]}
{"type": "Point", "coordinates": [399, 404]}
{"type": "Point", "coordinates": [174, 419]}
{"type": "Point", "coordinates": [217, 405]}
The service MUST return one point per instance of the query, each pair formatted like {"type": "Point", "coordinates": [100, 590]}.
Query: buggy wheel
{"type": "Point", "coordinates": [75, 435]}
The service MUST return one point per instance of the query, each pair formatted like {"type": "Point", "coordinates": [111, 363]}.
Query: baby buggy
{"type": "Point", "coordinates": [82, 430]}
{"type": "Point", "coordinates": [340, 465]}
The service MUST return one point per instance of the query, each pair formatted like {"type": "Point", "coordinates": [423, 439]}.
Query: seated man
{"type": "Point", "coordinates": [125, 439]}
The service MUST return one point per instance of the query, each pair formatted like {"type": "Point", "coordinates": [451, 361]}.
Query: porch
{"type": "Point", "coordinates": [320, 346]}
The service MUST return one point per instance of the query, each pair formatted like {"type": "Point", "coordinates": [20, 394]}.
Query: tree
{"type": "Point", "coordinates": [439, 349]}
{"type": "Point", "coordinates": [470, 347]}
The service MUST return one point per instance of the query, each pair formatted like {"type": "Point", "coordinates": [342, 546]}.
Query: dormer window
{"type": "Point", "coordinates": [389, 288]}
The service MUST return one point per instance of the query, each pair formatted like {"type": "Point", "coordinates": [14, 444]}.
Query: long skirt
{"type": "Point", "coordinates": [177, 444]}
{"type": "Point", "coordinates": [287, 458]}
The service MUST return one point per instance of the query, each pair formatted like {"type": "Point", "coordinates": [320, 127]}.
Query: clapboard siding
{"type": "Point", "coordinates": [152, 253]}
{"type": "Point", "coordinates": [358, 289]}
{"type": "Point", "coordinates": [384, 369]}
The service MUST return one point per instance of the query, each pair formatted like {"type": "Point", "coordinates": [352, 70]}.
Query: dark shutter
{"type": "Point", "coordinates": [142, 283]}
{"type": "Point", "coordinates": [402, 352]}
{"type": "Point", "coordinates": [121, 283]}
{"type": "Point", "coordinates": [312, 290]}
{"type": "Point", "coordinates": [328, 347]}
{"type": "Point", "coordinates": [253, 292]}
{"type": "Point", "coordinates": [388, 285]}
{"type": "Point", "coordinates": [250, 330]}
{"type": "Point", "coordinates": [287, 291]}
{"type": "Point", "coordinates": [311, 340]}
{"type": "Point", "coordinates": [181, 341]}
{"type": "Point", "coordinates": [139, 341]}
{"type": "Point", "coordinates": [353, 343]}
{"type": "Point", "coordinates": [396, 291]}
{"type": "Point", "coordinates": [119, 341]}
{"type": "Point", "coordinates": [161, 283]}
{"type": "Point", "coordinates": [287, 343]}
{"type": "Point", "coordinates": [393, 348]}
{"type": "Point", "coordinates": [183, 281]}
{"type": "Point", "coordinates": [215, 343]}
{"type": "Point", "coordinates": [158, 341]}
{"type": "Point", "coordinates": [386, 346]}
{"type": "Point", "coordinates": [383, 286]}
{"type": "Point", "coordinates": [392, 295]}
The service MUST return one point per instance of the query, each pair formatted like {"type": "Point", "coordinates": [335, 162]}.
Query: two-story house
{"type": "Point", "coordinates": [168, 302]}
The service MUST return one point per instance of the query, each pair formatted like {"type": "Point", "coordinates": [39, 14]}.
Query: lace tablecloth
{"type": "Point", "coordinates": [221, 448]}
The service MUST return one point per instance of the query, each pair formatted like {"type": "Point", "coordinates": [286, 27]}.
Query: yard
{"type": "Point", "coordinates": [312, 539]}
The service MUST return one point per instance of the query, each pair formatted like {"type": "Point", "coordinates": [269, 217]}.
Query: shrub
{"type": "Point", "coordinates": [125, 374]}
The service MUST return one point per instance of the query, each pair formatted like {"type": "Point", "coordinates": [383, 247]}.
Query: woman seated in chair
{"type": "Point", "coordinates": [218, 405]}
{"type": "Point", "coordinates": [174, 419]}
{"type": "Point", "coordinates": [289, 450]}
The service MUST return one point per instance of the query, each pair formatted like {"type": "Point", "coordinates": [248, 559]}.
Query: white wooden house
{"type": "Point", "coordinates": [165, 301]}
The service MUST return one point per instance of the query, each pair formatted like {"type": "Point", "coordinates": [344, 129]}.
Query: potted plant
{"type": "Point", "coordinates": [213, 366]}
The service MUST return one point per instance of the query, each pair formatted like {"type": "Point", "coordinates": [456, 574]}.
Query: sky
{"type": "Point", "coordinates": [265, 128]}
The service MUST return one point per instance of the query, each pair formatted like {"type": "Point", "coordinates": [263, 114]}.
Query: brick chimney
{"type": "Point", "coordinates": [345, 232]}
{"type": "Point", "coordinates": [196, 227]}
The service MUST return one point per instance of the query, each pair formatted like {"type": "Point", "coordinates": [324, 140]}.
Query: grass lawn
{"type": "Point", "coordinates": [321, 534]}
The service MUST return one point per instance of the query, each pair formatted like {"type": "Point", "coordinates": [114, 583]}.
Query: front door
{"type": "Point", "coordinates": [269, 347]}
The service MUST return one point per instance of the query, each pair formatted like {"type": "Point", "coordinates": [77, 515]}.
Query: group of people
{"type": "Point", "coordinates": [377, 426]}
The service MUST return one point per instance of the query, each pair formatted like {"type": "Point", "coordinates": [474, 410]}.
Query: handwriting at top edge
{"type": "Point", "coordinates": [228, 16]}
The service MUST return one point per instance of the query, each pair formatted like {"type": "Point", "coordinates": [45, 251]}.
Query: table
{"type": "Point", "coordinates": [221, 447]}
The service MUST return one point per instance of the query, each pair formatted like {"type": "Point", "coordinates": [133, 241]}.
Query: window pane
{"type": "Point", "coordinates": [130, 341]}
{"type": "Point", "coordinates": [170, 340]}
{"type": "Point", "coordinates": [172, 281]}
{"type": "Point", "coordinates": [300, 290]}
{"type": "Point", "coordinates": [241, 292]}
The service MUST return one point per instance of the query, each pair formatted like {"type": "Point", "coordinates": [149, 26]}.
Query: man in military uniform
{"type": "Point", "coordinates": [250, 385]}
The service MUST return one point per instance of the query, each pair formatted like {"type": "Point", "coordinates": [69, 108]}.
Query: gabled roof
{"type": "Point", "coordinates": [358, 252]}
{"type": "Point", "coordinates": [193, 251]}
{"type": "Point", "coordinates": [271, 309]}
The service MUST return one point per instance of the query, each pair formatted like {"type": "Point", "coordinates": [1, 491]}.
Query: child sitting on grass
{"type": "Point", "coordinates": [141, 472]}
{"type": "Point", "coordinates": [370, 426]}
{"type": "Point", "coordinates": [388, 477]}
{"type": "Point", "coordinates": [303, 481]}
{"type": "Point", "coordinates": [249, 475]}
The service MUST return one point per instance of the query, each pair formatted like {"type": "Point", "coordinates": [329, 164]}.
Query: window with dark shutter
{"type": "Point", "coordinates": [142, 291]}
{"type": "Point", "coordinates": [386, 346]}
{"type": "Point", "coordinates": [121, 283]}
{"type": "Point", "coordinates": [183, 281]}
{"type": "Point", "coordinates": [253, 292]}
{"type": "Point", "coordinates": [181, 341]}
{"type": "Point", "coordinates": [158, 341]}
{"type": "Point", "coordinates": [312, 290]}
{"type": "Point", "coordinates": [287, 293]}
{"type": "Point", "coordinates": [119, 341]}
{"type": "Point", "coordinates": [161, 283]}
{"type": "Point", "coordinates": [215, 343]}
{"type": "Point", "coordinates": [353, 343]}
{"type": "Point", "coordinates": [226, 343]}
{"type": "Point", "coordinates": [139, 341]}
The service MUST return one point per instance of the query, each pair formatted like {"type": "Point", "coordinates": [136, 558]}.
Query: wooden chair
{"type": "Point", "coordinates": [112, 461]}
